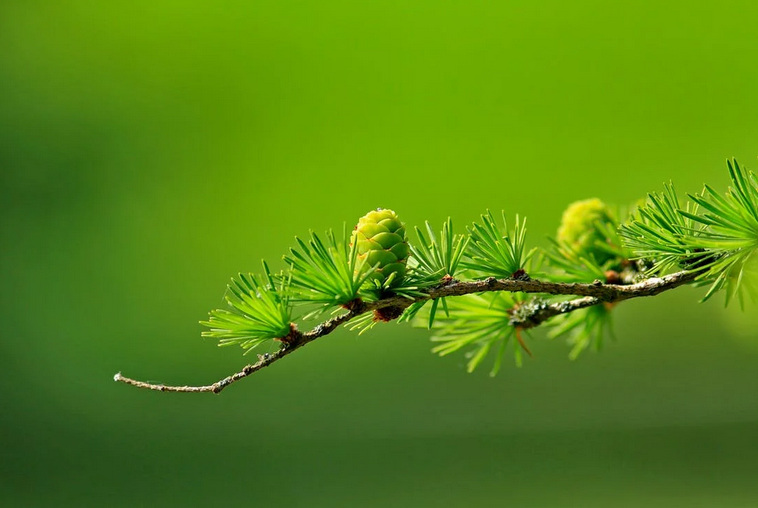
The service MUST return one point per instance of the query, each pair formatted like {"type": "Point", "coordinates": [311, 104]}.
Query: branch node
{"type": "Point", "coordinates": [521, 275]}
{"type": "Point", "coordinates": [387, 314]}
{"type": "Point", "coordinates": [292, 338]}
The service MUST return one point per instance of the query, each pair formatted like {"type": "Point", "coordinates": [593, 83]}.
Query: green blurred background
{"type": "Point", "coordinates": [150, 150]}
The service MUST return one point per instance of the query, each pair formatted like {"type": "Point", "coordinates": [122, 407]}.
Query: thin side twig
{"type": "Point", "coordinates": [298, 340]}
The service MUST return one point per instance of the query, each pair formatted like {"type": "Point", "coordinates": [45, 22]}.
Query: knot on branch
{"type": "Point", "coordinates": [446, 280]}
{"type": "Point", "coordinates": [292, 338]}
{"type": "Point", "coordinates": [356, 306]}
{"type": "Point", "coordinates": [528, 314]}
{"type": "Point", "coordinates": [387, 314]}
{"type": "Point", "coordinates": [521, 275]}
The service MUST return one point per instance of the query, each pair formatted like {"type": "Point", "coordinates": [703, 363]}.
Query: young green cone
{"type": "Point", "coordinates": [579, 227]}
{"type": "Point", "coordinates": [380, 238]}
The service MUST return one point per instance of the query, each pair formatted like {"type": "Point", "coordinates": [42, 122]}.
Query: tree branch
{"type": "Point", "coordinates": [590, 294]}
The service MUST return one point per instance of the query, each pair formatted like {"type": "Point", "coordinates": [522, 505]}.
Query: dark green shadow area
{"type": "Point", "coordinates": [695, 466]}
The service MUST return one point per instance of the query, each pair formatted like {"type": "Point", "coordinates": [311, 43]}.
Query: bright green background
{"type": "Point", "coordinates": [150, 150]}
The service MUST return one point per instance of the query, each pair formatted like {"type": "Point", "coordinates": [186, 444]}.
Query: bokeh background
{"type": "Point", "coordinates": [150, 150]}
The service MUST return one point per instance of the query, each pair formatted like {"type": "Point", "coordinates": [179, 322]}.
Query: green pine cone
{"type": "Point", "coordinates": [380, 238]}
{"type": "Point", "coordinates": [579, 229]}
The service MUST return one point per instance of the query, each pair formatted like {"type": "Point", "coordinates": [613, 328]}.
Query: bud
{"type": "Point", "coordinates": [380, 238]}
{"type": "Point", "coordinates": [579, 227]}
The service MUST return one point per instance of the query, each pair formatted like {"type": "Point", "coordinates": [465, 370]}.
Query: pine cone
{"type": "Point", "coordinates": [381, 240]}
{"type": "Point", "coordinates": [579, 227]}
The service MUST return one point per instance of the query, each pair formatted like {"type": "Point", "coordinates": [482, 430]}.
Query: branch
{"type": "Point", "coordinates": [296, 340]}
{"type": "Point", "coordinates": [590, 294]}
{"type": "Point", "coordinates": [606, 293]}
